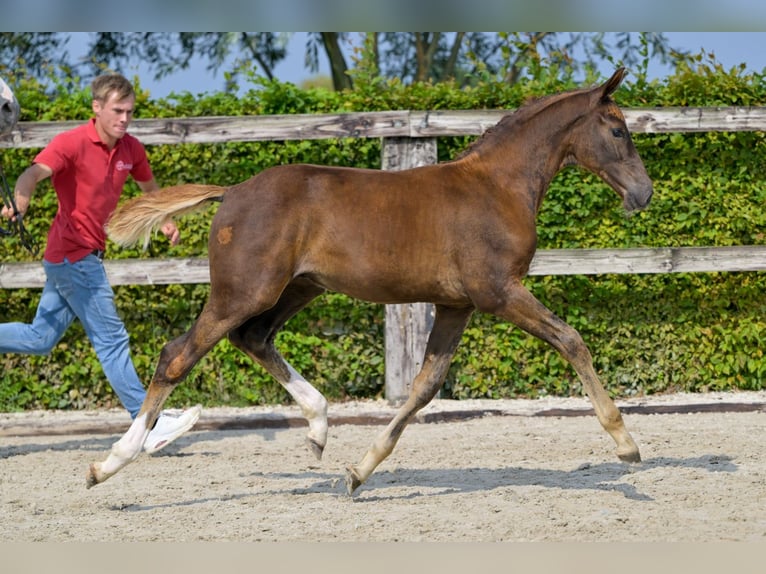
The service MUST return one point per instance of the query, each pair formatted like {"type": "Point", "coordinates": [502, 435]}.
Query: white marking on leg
{"type": "Point", "coordinates": [312, 403]}
{"type": "Point", "coordinates": [126, 449]}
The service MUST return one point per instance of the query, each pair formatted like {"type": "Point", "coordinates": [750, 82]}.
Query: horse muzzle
{"type": "Point", "coordinates": [638, 198]}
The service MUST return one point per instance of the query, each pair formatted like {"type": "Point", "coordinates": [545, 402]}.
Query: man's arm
{"type": "Point", "coordinates": [25, 187]}
{"type": "Point", "coordinates": [148, 186]}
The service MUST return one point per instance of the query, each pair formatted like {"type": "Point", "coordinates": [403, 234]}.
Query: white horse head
{"type": "Point", "coordinates": [9, 108]}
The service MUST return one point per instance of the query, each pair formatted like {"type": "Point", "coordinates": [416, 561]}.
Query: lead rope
{"type": "Point", "coordinates": [15, 227]}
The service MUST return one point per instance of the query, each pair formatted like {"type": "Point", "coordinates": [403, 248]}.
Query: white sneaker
{"type": "Point", "coordinates": [170, 425]}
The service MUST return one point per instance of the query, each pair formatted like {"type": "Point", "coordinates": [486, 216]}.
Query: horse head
{"type": "Point", "coordinates": [9, 108]}
{"type": "Point", "coordinates": [602, 145]}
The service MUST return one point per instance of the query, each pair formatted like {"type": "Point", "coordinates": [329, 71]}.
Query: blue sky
{"type": "Point", "coordinates": [729, 48]}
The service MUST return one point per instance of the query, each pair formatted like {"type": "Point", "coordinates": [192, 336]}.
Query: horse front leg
{"type": "Point", "coordinates": [524, 310]}
{"type": "Point", "coordinates": [445, 335]}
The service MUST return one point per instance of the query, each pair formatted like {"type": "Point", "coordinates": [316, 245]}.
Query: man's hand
{"type": "Point", "coordinates": [22, 204]}
{"type": "Point", "coordinates": [170, 231]}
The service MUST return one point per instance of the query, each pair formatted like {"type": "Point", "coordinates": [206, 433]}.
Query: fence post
{"type": "Point", "coordinates": [407, 325]}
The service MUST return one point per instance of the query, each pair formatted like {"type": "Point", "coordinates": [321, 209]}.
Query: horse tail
{"type": "Point", "coordinates": [135, 219]}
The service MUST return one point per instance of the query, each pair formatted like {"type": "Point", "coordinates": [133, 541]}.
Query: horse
{"type": "Point", "coordinates": [9, 108]}
{"type": "Point", "coordinates": [459, 234]}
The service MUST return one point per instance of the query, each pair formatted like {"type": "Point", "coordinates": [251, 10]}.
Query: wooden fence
{"type": "Point", "coordinates": [408, 141]}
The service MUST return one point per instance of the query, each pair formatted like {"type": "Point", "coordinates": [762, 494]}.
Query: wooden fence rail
{"type": "Point", "coordinates": [408, 124]}
{"type": "Point", "coordinates": [408, 140]}
{"type": "Point", "coordinates": [180, 270]}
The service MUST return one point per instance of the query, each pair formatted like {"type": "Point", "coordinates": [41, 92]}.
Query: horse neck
{"type": "Point", "coordinates": [534, 146]}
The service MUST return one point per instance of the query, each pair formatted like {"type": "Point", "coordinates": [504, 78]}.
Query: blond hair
{"type": "Point", "coordinates": [103, 86]}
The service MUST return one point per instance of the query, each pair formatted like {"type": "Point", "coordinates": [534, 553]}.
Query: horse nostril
{"type": "Point", "coordinates": [649, 195]}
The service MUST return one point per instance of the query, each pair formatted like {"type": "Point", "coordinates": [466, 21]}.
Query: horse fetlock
{"type": "Point", "coordinates": [122, 454]}
{"type": "Point", "coordinates": [317, 435]}
{"type": "Point", "coordinates": [316, 414]}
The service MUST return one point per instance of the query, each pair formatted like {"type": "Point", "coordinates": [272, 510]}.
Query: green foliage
{"type": "Point", "coordinates": [647, 333]}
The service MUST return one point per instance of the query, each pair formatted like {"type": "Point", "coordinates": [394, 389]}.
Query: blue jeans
{"type": "Point", "coordinates": [80, 290]}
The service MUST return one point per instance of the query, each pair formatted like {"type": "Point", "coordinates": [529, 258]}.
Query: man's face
{"type": "Point", "coordinates": [114, 116]}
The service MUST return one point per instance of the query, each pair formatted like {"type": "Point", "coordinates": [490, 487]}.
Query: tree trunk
{"type": "Point", "coordinates": [425, 49]}
{"type": "Point", "coordinates": [449, 70]}
{"type": "Point", "coordinates": [338, 67]}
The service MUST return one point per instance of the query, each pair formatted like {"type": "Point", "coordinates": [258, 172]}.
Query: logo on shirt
{"type": "Point", "coordinates": [122, 166]}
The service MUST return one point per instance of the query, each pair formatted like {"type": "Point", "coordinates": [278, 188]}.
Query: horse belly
{"type": "Point", "coordinates": [390, 279]}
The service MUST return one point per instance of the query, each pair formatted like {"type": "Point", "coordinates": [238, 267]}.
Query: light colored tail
{"type": "Point", "coordinates": [135, 219]}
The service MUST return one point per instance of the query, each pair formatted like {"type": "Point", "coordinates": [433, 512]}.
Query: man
{"type": "Point", "coordinates": [89, 166]}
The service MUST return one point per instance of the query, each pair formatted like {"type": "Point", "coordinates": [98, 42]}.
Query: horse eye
{"type": "Point", "coordinates": [618, 132]}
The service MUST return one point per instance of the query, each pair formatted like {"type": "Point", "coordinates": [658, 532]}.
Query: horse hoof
{"type": "Point", "coordinates": [630, 456]}
{"type": "Point", "coordinates": [315, 447]}
{"type": "Point", "coordinates": [352, 480]}
{"type": "Point", "coordinates": [91, 479]}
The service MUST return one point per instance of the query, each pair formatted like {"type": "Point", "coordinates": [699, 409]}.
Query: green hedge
{"type": "Point", "coordinates": [647, 333]}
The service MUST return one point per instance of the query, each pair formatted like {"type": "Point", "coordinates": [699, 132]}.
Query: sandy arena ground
{"type": "Point", "coordinates": [467, 471]}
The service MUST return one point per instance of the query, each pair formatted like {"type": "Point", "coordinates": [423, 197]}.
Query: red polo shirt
{"type": "Point", "coordinates": [88, 179]}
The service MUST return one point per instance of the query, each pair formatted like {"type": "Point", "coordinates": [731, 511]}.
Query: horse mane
{"type": "Point", "coordinates": [529, 109]}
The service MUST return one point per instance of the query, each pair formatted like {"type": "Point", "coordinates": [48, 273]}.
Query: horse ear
{"type": "Point", "coordinates": [611, 85]}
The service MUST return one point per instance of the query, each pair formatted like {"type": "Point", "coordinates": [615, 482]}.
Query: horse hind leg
{"type": "Point", "coordinates": [443, 340]}
{"type": "Point", "coordinates": [312, 403]}
{"type": "Point", "coordinates": [524, 310]}
{"type": "Point", "coordinates": [255, 338]}
{"type": "Point", "coordinates": [177, 358]}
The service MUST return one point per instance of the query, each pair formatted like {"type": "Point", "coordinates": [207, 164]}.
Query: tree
{"type": "Point", "coordinates": [463, 57]}
{"type": "Point", "coordinates": [166, 52]}
{"type": "Point", "coordinates": [34, 50]}
{"type": "Point", "coordinates": [338, 67]}
{"type": "Point", "coordinates": [460, 56]}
